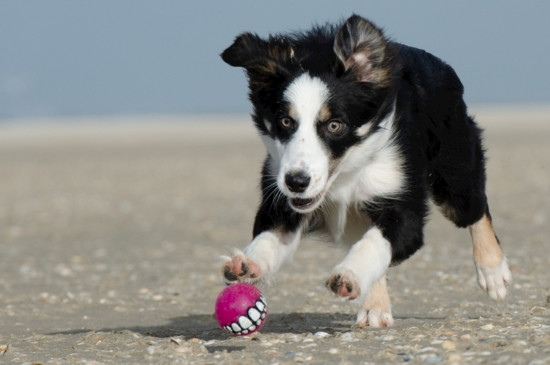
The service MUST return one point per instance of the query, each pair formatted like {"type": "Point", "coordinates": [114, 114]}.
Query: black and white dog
{"type": "Point", "coordinates": [360, 131]}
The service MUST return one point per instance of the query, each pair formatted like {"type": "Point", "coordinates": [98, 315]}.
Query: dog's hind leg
{"type": "Point", "coordinates": [470, 209]}
{"type": "Point", "coordinates": [457, 182]}
{"type": "Point", "coordinates": [376, 309]}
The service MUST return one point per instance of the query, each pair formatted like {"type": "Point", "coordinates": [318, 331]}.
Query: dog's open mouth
{"type": "Point", "coordinates": [304, 204]}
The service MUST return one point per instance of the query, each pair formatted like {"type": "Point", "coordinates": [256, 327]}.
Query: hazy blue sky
{"type": "Point", "coordinates": [77, 57]}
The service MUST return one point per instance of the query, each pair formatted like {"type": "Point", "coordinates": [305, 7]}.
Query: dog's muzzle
{"type": "Point", "coordinates": [297, 183]}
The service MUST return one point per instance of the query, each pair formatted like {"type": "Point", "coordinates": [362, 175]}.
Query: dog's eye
{"type": "Point", "coordinates": [286, 123]}
{"type": "Point", "coordinates": [334, 126]}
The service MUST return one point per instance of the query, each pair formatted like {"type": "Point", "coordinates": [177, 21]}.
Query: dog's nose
{"type": "Point", "coordinates": [297, 182]}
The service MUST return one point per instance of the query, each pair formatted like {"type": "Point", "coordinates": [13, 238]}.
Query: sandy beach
{"type": "Point", "coordinates": [111, 231]}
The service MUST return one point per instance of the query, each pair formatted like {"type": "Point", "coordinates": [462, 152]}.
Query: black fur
{"type": "Point", "coordinates": [367, 74]}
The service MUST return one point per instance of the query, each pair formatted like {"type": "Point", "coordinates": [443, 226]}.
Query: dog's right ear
{"type": "Point", "coordinates": [264, 60]}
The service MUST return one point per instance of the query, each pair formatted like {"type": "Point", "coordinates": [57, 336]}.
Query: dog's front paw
{"type": "Point", "coordinates": [374, 317]}
{"type": "Point", "coordinates": [494, 280]}
{"type": "Point", "coordinates": [344, 285]}
{"type": "Point", "coordinates": [240, 268]}
{"type": "Point", "coordinates": [376, 311]}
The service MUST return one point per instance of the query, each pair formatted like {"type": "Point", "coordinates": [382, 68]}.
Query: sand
{"type": "Point", "coordinates": [111, 231]}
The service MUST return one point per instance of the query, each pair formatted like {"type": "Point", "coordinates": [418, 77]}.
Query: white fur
{"type": "Point", "coordinates": [307, 95]}
{"type": "Point", "coordinates": [304, 152]}
{"type": "Point", "coordinates": [367, 261]}
{"type": "Point", "coordinates": [346, 224]}
{"type": "Point", "coordinates": [372, 169]}
{"type": "Point", "coordinates": [494, 279]}
{"type": "Point", "coordinates": [271, 249]}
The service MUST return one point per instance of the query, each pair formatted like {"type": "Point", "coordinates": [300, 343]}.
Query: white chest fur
{"type": "Point", "coordinates": [370, 170]}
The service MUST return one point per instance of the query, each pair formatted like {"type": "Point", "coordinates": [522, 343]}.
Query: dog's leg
{"type": "Point", "coordinates": [262, 257]}
{"type": "Point", "coordinates": [493, 274]}
{"type": "Point", "coordinates": [364, 265]}
{"type": "Point", "coordinates": [376, 310]}
{"type": "Point", "coordinates": [277, 233]}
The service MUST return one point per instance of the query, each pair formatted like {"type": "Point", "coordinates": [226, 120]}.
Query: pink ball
{"type": "Point", "coordinates": [241, 309]}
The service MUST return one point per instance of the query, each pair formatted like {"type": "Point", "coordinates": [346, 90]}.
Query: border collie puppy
{"type": "Point", "coordinates": [359, 132]}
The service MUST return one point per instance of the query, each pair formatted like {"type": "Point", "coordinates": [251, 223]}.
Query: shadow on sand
{"type": "Point", "coordinates": [205, 327]}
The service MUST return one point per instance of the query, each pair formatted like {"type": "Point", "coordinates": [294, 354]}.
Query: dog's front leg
{"type": "Point", "coordinates": [263, 257]}
{"type": "Point", "coordinates": [376, 309]}
{"type": "Point", "coordinates": [365, 264]}
{"type": "Point", "coordinates": [277, 233]}
{"type": "Point", "coordinates": [362, 274]}
{"type": "Point", "coordinates": [396, 233]}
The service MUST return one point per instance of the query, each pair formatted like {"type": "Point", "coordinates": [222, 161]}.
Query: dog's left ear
{"type": "Point", "coordinates": [363, 49]}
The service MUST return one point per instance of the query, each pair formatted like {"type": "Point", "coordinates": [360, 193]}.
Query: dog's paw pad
{"type": "Point", "coordinates": [240, 268]}
{"type": "Point", "coordinates": [343, 285]}
{"type": "Point", "coordinates": [494, 280]}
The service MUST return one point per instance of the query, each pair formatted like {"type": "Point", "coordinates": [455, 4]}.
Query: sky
{"type": "Point", "coordinates": [132, 57]}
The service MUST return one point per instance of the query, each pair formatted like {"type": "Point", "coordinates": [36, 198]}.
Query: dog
{"type": "Point", "coordinates": [360, 132]}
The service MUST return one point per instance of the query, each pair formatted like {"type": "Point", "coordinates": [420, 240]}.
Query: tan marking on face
{"type": "Point", "coordinates": [487, 251]}
{"type": "Point", "coordinates": [324, 113]}
{"type": "Point", "coordinates": [292, 112]}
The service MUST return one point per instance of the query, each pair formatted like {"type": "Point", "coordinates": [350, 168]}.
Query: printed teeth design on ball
{"type": "Point", "coordinates": [249, 322]}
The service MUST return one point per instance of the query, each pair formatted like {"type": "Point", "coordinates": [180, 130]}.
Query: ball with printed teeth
{"type": "Point", "coordinates": [241, 309]}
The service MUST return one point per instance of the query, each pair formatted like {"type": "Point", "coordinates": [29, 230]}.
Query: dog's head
{"type": "Point", "coordinates": [311, 112]}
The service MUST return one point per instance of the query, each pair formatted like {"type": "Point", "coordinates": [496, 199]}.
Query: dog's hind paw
{"type": "Point", "coordinates": [494, 280]}
{"type": "Point", "coordinates": [240, 268]}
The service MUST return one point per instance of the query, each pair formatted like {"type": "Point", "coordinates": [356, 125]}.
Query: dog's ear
{"type": "Point", "coordinates": [262, 59]}
{"type": "Point", "coordinates": [244, 49]}
{"type": "Point", "coordinates": [363, 49]}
